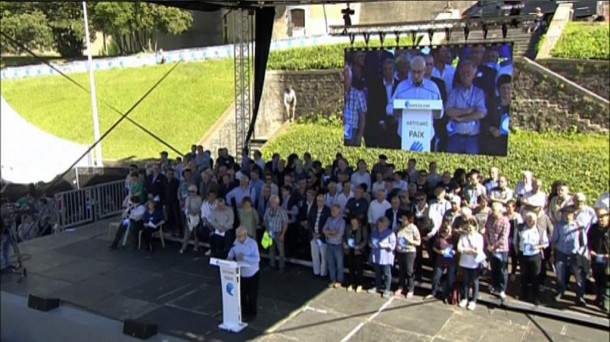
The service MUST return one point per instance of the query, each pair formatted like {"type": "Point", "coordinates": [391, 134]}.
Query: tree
{"type": "Point", "coordinates": [44, 25]}
{"type": "Point", "coordinates": [134, 26]}
{"type": "Point", "coordinates": [29, 29]}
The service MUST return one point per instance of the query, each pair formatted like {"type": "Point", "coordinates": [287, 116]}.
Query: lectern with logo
{"type": "Point", "coordinates": [417, 124]}
{"type": "Point", "coordinates": [231, 302]}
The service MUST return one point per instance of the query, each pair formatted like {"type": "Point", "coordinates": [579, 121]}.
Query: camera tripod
{"type": "Point", "coordinates": [19, 268]}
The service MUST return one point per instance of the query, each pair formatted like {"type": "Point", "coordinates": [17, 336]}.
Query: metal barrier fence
{"type": "Point", "coordinates": [87, 205]}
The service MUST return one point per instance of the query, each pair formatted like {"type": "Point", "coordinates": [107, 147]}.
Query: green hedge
{"type": "Point", "coordinates": [319, 57]}
{"type": "Point", "coordinates": [581, 160]}
{"type": "Point", "coordinates": [584, 40]}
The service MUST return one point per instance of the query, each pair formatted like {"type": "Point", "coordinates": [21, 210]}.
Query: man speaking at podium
{"type": "Point", "coordinates": [417, 87]}
{"type": "Point", "coordinates": [245, 250]}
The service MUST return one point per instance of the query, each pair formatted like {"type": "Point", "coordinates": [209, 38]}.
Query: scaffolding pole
{"type": "Point", "coordinates": [242, 25]}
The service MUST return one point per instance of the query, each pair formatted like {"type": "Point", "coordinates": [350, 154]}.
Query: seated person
{"type": "Point", "coordinates": [132, 221]}
{"type": "Point", "coordinates": [153, 219]}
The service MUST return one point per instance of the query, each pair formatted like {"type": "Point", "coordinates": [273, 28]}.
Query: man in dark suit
{"type": "Point", "coordinates": [393, 214]}
{"type": "Point", "coordinates": [155, 184]}
{"type": "Point", "coordinates": [373, 65]}
{"type": "Point", "coordinates": [379, 126]}
{"type": "Point", "coordinates": [316, 218]}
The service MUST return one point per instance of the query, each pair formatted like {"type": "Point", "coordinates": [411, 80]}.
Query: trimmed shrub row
{"type": "Point", "coordinates": [581, 160]}
{"type": "Point", "coordinates": [584, 40]}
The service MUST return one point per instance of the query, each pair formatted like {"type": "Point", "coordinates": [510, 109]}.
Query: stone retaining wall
{"type": "Point", "coordinates": [592, 75]}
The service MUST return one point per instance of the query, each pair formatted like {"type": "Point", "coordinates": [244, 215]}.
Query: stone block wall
{"type": "Point", "coordinates": [317, 92]}
{"type": "Point", "coordinates": [593, 75]}
{"type": "Point", "coordinates": [544, 102]}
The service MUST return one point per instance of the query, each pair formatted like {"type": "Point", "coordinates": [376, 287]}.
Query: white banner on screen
{"type": "Point", "coordinates": [417, 123]}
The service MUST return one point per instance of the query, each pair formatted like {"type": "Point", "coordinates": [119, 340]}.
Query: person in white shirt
{"type": "Point", "coordinates": [344, 196]}
{"type": "Point", "coordinates": [379, 183]}
{"type": "Point", "coordinates": [472, 254]}
{"type": "Point", "coordinates": [415, 88]}
{"type": "Point", "coordinates": [531, 241]}
{"type": "Point", "coordinates": [441, 205]}
{"type": "Point", "coordinates": [585, 215]}
{"type": "Point", "coordinates": [362, 176]}
{"type": "Point", "coordinates": [378, 208]}
{"type": "Point", "coordinates": [132, 223]}
{"type": "Point", "coordinates": [207, 208]}
{"type": "Point", "coordinates": [290, 102]}
{"type": "Point", "coordinates": [442, 66]}
{"type": "Point", "coordinates": [535, 198]}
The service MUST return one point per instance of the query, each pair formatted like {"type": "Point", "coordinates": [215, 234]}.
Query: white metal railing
{"type": "Point", "coordinates": [87, 205]}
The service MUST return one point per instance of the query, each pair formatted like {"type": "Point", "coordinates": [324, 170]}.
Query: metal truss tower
{"type": "Point", "coordinates": [243, 50]}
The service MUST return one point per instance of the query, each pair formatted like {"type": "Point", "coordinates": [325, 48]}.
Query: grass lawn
{"type": "Point", "coordinates": [180, 110]}
{"type": "Point", "coordinates": [581, 160]}
{"type": "Point", "coordinates": [584, 40]}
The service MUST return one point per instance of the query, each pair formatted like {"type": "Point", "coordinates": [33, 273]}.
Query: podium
{"type": "Point", "coordinates": [231, 298]}
{"type": "Point", "coordinates": [417, 124]}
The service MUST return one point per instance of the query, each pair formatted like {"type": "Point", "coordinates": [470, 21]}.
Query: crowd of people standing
{"type": "Point", "coordinates": [460, 225]}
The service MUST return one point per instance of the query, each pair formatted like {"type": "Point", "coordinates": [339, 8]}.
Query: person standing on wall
{"type": "Point", "coordinates": [290, 103]}
{"type": "Point", "coordinates": [245, 249]}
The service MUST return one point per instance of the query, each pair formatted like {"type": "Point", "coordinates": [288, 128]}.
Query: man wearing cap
{"type": "Point", "coordinates": [603, 202]}
{"type": "Point", "coordinates": [599, 244]}
{"type": "Point", "coordinates": [567, 241]}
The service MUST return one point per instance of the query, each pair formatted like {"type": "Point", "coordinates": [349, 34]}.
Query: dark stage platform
{"type": "Point", "coordinates": [181, 294]}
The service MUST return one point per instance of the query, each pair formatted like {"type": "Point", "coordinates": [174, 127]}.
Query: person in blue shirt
{"type": "Point", "coordinates": [465, 107]}
{"type": "Point", "coordinates": [245, 249]}
{"type": "Point", "coordinates": [568, 239]}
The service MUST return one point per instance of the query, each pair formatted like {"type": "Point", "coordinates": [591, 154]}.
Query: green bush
{"type": "Point", "coordinates": [321, 56]}
{"type": "Point", "coordinates": [581, 160]}
{"type": "Point", "coordinates": [584, 40]}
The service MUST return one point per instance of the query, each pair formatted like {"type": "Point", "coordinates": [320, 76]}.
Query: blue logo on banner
{"type": "Point", "coordinates": [230, 289]}
{"type": "Point", "coordinates": [406, 104]}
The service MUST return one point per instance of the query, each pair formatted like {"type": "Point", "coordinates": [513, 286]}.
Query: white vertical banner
{"type": "Point", "coordinates": [231, 297]}
{"type": "Point", "coordinates": [417, 124]}
{"type": "Point", "coordinates": [419, 129]}
{"type": "Point", "coordinates": [96, 120]}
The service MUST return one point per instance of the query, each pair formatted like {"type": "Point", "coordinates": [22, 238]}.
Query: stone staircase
{"type": "Point", "coordinates": [524, 42]}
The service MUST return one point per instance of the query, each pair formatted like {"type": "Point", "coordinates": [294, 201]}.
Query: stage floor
{"type": "Point", "coordinates": [181, 294]}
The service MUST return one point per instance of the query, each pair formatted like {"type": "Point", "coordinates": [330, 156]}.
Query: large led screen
{"type": "Point", "coordinates": [449, 98]}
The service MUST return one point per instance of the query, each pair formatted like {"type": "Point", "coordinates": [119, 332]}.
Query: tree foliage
{"type": "Point", "coordinates": [28, 27]}
{"type": "Point", "coordinates": [60, 25]}
{"type": "Point", "coordinates": [134, 25]}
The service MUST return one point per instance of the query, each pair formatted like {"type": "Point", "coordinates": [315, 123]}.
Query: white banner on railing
{"type": "Point", "coordinates": [186, 55]}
